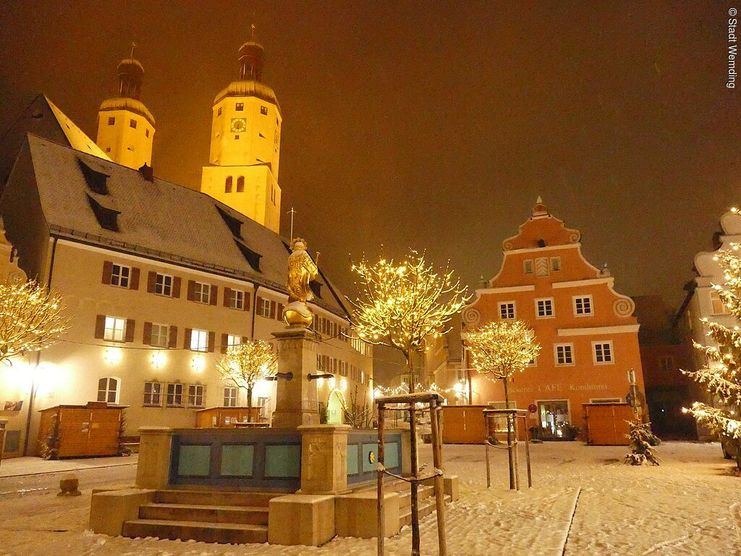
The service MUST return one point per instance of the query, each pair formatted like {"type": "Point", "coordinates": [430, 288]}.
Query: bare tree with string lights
{"type": "Point", "coordinates": [401, 304]}
{"type": "Point", "coordinates": [31, 318]}
{"type": "Point", "coordinates": [247, 363]}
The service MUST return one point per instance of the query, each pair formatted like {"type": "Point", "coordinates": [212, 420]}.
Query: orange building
{"type": "Point", "coordinates": [587, 332]}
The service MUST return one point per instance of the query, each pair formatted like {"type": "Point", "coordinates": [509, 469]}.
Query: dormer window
{"type": "Point", "coordinates": [96, 181]}
{"type": "Point", "coordinates": [107, 218]}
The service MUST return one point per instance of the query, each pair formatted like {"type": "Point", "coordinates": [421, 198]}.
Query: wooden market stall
{"type": "Point", "coordinates": [80, 430]}
{"type": "Point", "coordinates": [606, 424]}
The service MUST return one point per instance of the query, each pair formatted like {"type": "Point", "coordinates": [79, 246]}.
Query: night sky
{"type": "Point", "coordinates": [432, 125]}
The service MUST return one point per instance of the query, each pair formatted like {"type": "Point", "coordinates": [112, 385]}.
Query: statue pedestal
{"type": "Point", "coordinates": [296, 399]}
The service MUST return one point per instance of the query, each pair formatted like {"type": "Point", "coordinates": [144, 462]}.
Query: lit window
{"type": "Point", "coordinates": [555, 264]}
{"type": "Point", "coordinates": [264, 110]}
{"type": "Point", "coordinates": [111, 120]}
{"type": "Point", "coordinates": [239, 107]}
{"type": "Point", "coordinates": [236, 299]}
{"type": "Point", "coordinates": [718, 306]}
{"type": "Point", "coordinates": [120, 275]}
{"type": "Point", "coordinates": [196, 395]}
{"type": "Point", "coordinates": [199, 340]}
{"type": "Point", "coordinates": [602, 352]}
{"type": "Point", "coordinates": [108, 390]}
{"type": "Point", "coordinates": [232, 340]}
{"type": "Point", "coordinates": [153, 394]}
{"type": "Point", "coordinates": [132, 123]}
{"type": "Point", "coordinates": [160, 335]}
{"type": "Point", "coordinates": [228, 184]}
{"type": "Point", "coordinates": [544, 308]}
{"type": "Point", "coordinates": [230, 396]}
{"type": "Point", "coordinates": [527, 266]}
{"type": "Point", "coordinates": [202, 292]}
{"type": "Point", "coordinates": [583, 305]}
{"type": "Point", "coordinates": [163, 284]}
{"type": "Point", "coordinates": [564, 354]}
{"type": "Point", "coordinates": [115, 329]}
{"type": "Point", "coordinates": [666, 363]}
{"type": "Point", "coordinates": [507, 310]}
{"type": "Point", "coordinates": [174, 395]}
{"type": "Point", "coordinates": [240, 184]}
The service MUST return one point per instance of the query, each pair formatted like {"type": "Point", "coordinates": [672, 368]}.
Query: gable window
{"type": "Point", "coordinates": [555, 264]}
{"type": "Point", "coordinates": [666, 363]}
{"type": "Point", "coordinates": [160, 335]}
{"type": "Point", "coordinates": [527, 266]}
{"type": "Point", "coordinates": [240, 184]}
{"type": "Point", "coordinates": [582, 305]}
{"type": "Point", "coordinates": [132, 123]}
{"type": "Point", "coordinates": [230, 396]}
{"type": "Point", "coordinates": [196, 395]}
{"type": "Point", "coordinates": [202, 292]}
{"type": "Point", "coordinates": [602, 352]}
{"type": "Point", "coordinates": [174, 395]}
{"type": "Point", "coordinates": [239, 107]}
{"type": "Point", "coordinates": [564, 354]}
{"type": "Point", "coordinates": [115, 329]}
{"type": "Point", "coordinates": [507, 310]}
{"type": "Point", "coordinates": [153, 394]}
{"type": "Point", "coordinates": [235, 299]}
{"type": "Point", "coordinates": [111, 120]}
{"type": "Point", "coordinates": [163, 284]}
{"type": "Point", "coordinates": [108, 389]}
{"type": "Point", "coordinates": [544, 308]}
{"type": "Point", "coordinates": [228, 184]}
{"type": "Point", "coordinates": [198, 340]}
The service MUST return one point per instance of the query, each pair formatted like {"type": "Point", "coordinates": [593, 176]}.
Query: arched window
{"type": "Point", "coordinates": [109, 389]}
{"type": "Point", "coordinates": [228, 185]}
{"type": "Point", "coordinates": [240, 184]}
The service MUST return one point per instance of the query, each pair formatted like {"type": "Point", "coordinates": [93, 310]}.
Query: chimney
{"type": "Point", "coordinates": [147, 172]}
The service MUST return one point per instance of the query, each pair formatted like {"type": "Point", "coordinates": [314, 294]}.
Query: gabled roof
{"type": "Point", "coordinates": [44, 119]}
{"type": "Point", "coordinates": [90, 200]}
{"type": "Point", "coordinates": [541, 229]}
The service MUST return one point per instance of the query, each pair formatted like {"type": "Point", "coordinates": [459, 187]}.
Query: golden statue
{"type": "Point", "coordinates": [301, 271]}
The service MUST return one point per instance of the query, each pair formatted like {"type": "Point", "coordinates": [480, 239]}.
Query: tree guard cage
{"type": "Point", "coordinates": [512, 416]}
{"type": "Point", "coordinates": [409, 403]}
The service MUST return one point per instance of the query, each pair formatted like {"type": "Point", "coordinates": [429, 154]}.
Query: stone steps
{"type": "Point", "coordinates": [207, 516]}
{"type": "Point", "coordinates": [235, 533]}
{"type": "Point", "coordinates": [254, 515]}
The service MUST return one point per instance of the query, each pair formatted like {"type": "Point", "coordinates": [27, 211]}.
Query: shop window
{"type": "Point", "coordinates": [717, 304]}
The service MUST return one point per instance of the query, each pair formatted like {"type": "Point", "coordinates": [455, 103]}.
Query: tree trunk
{"type": "Point", "coordinates": [249, 403]}
{"type": "Point", "coordinates": [410, 367]}
{"type": "Point", "coordinates": [509, 438]}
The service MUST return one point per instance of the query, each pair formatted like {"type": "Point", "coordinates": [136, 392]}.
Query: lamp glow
{"type": "Point", "coordinates": [112, 355]}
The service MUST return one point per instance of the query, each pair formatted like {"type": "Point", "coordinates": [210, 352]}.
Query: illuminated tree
{"type": "Point", "coordinates": [400, 305]}
{"type": "Point", "coordinates": [500, 349]}
{"type": "Point", "coordinates": [247, 363]}
{"type": "Point", "coordinates": [721, 376]}
{"type": "Point", "coordinates": [31, 318]}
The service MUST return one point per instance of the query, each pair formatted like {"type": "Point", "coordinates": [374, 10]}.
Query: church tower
{"type": "Point", "coordinates": [245, 143]}
{"type": "Point", "coordinates": [125, 125]}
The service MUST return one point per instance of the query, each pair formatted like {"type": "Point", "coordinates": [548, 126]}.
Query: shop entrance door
{"type": "Point", "coordinates": [553, 416]}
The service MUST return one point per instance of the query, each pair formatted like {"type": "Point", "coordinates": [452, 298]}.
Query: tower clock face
{"type": "Point", "coordinates": [238, 125]}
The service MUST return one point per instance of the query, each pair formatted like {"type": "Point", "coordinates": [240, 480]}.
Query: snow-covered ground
{"type": "Point", "coordinates": [691, 504]}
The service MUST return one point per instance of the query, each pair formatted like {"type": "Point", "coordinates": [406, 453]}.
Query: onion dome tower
{"type": "Point", "coordinates": [245, 143]}
{"type": "Point", "coordinates": [125, 125]}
